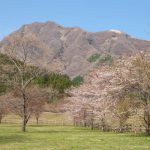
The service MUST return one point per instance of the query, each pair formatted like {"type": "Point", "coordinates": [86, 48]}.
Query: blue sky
{"type": "Point", "coordinates": [131, 16]}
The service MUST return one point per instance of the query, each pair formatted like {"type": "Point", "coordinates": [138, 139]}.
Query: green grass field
{"type": "Point", "coordinates": [68, 138]}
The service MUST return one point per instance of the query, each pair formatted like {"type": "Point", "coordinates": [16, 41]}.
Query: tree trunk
{"type": "Point", "coordinates": [148, 130]}
{"type": "Point", "coordinates": [23, 127]}
{"type": "Point", "coordinates": [103, 124]}
{"type": "Point", "coordinates": [120, 125]}
{"type": "Point", "coordinates": [147, 119]}
{"type": "Point", "coordinates": [84, 118]}
{"type": "Point", "coordinates": [37, 120]}
{"type": "Point", "coordinates": [24, 121]}
{"type": "Point", "coordinates": [92, 125]}
{"type": "Point", "coordinates": [1, 119]}
{"type": "Point", "coordinates": [148, 125]}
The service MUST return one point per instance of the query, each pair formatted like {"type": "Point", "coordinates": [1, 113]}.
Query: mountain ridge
{"type": "Point", "coordinates": [68, 49]}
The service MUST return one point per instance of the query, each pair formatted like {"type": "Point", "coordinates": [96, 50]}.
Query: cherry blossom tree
{"type": "Point", "coordinates": [93, 97]}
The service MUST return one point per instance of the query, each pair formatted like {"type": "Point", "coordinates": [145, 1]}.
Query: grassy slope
{"type": "Point", "coordinates": [45, 118]}
{"type": "Point", "coordinates": [68, 138]}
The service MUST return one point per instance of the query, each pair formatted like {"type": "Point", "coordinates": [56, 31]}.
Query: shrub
{"type": "Point", "coordinates": [3, 88]}
{"type": "Point", "coordinates": [77, 80]}
{"type": "Point", "coordinates": [94, 58]}
{"type": "Point", "coordinates": [58, 82]}
{"type": "Point", "coordinates": [106, 59]}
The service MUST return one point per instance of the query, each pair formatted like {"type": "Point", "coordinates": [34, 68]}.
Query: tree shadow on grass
{"type": "Point", "coordinates": [4, 139]}
{"type": "Point", "coordinates": [59, 131]}
{"type": "Point", "coordinates": [139, 135]}
{"type": "Point", "coordinates": [131, 134]}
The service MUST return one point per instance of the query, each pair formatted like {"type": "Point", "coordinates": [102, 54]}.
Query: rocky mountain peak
{"type": "Point", "coordinates": [71, 50]}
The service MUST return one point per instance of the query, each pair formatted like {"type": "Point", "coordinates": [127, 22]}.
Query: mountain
{"type": "Point", "coordinates": [71, 50]}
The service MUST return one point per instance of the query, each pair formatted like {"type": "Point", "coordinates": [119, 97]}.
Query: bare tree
{"type": "Point", "coordinates": [36, 99]}
{"type": "Point", "coordinates": [21, 51]}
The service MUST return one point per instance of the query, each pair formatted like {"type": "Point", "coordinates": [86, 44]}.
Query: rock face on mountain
{"type": "Point", "coordinates": [68, 49]}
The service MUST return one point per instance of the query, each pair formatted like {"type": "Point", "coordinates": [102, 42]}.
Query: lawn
{"type": "Point", "coordinates": [68, 138]}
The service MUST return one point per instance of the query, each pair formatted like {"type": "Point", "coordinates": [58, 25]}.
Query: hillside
{"type": "Point", "coordinates": [71, 50]}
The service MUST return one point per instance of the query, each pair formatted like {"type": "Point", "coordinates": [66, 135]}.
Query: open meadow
{"type": "Point", "coordinates": [68, 138]}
